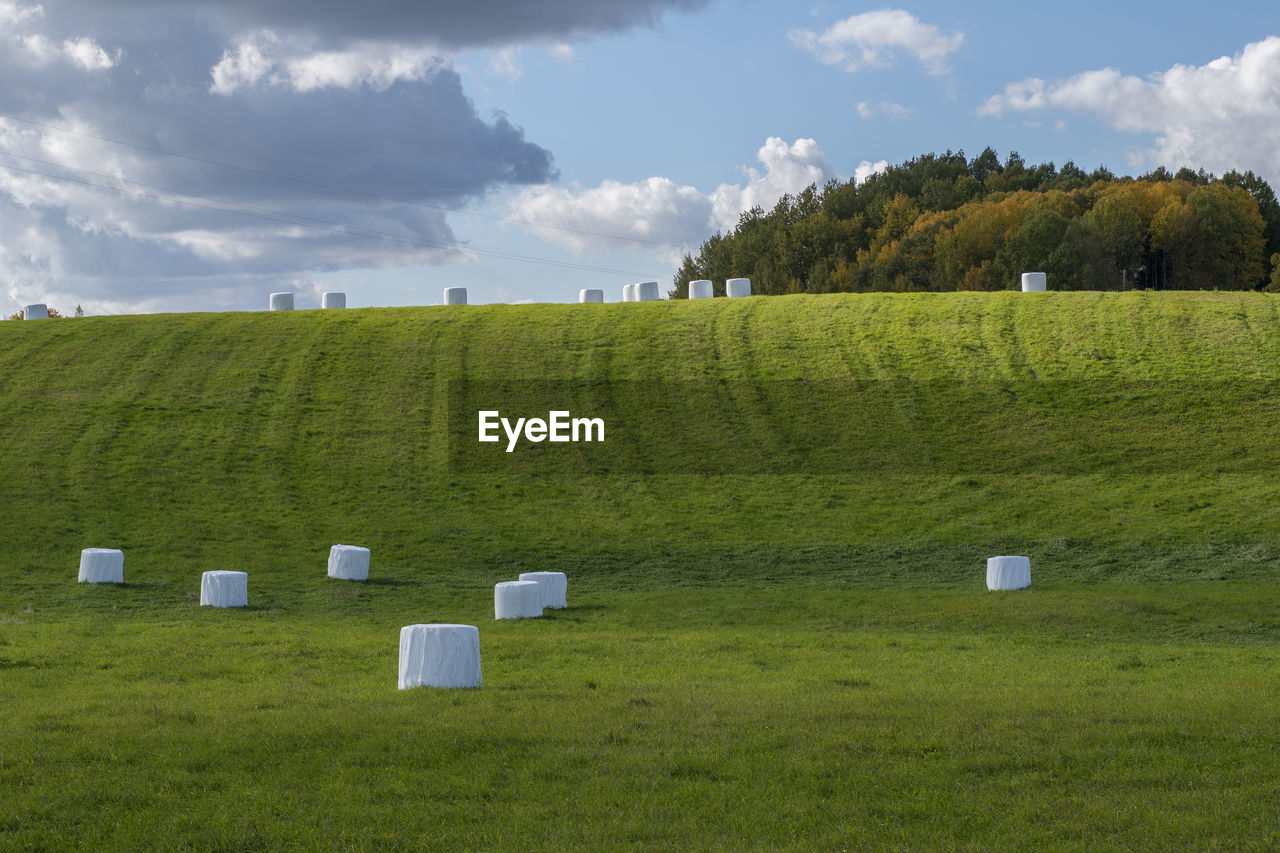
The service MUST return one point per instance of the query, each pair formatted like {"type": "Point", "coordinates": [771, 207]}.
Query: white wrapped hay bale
{"type": "Point", "coordinates": [553, 588]}
{"type": "Point", "coordinates": [439, 656]}
{"type": "Point", "coordinates": [224, 589]}
{"type": "Point", "coordinates": [281, 302]}
{"type": "Point", "coordinates": [646, 291]}
{"type": "Point", "coordinates": [1033, 282]}
{"type": "Point", "coordinates": [517, 600]}
{"type": "Point", "coordinates": [1008, 573]}
{"type": "Point", "coordinates": [455, 296]}
{"type": "Point", "coordinates": [101, 565]}
{"type": "Point", "coordinates": [588, 294]}
{"type": "Point", "coordinates": [701, 289]}
{"type": "Point", "coordinates": [628, 293]}
{"type": "Point", "coordinates": [349, 562]}
{"type": "Point", "coordinates": [37, 311]}
{"type": "Point", "coordinates": [333, 299]}
{"type": "Point", "coordinates": [737, 287]}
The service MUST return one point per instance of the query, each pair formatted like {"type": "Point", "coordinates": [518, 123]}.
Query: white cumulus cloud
{"type": "Point", "coordinates": [894, 112]}
{"type": "Point", "coordinates": [668, 217]}
{"type": "Point", "coordinates": [874, 39]}
{"type": "Point", "coordinates": [18, 23]}
{"type": "Point", "coordinates": [866, 169]}
{"type": "Point", "coordinates": [1219, 116]}
{"type": "Point", "coordinates": [88, 54]}
{"type": "Point", "coordinates": [370, 65]}
{"type": "Point", "coordinates": [656, 212]}
{"type": "Point", "coordinates": [250, 60]}
{"type": "Point", "coordinates": [263, 57]}
{"type": "Point", "coordinates": [787, 169]}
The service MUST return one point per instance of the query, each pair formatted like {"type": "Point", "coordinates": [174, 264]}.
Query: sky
{"type": "Point", "coordinates": [198, 155]}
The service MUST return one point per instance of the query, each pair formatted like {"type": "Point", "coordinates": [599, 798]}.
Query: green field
{"type": "Point", "coordinates": [778, 636]}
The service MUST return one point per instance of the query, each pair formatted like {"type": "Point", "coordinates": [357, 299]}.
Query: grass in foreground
{"type": "Point", "coordinates": [778, 636]}
{"type": "Point", "coordinates": [1065, 715]}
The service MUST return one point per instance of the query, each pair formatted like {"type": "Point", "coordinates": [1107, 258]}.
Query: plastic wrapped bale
{"type": "Point", "coordinates": [517, 600]}
{"type": "Point", "coordinates": [455, 296]}
{"type": "Point", "coordinates": [553, 586]}
{"type": "Point", "coordinates": [588, 294]}
{"type": "Point", "coordinates": [224, 589]}
{"type": "Point", "coordinates": [349, 562]}
{"type": "Point", "coordinates": [333, 299]}
{"type": "Point", "coordinates": [737, 287]}
{"type": "Point", "coordinates": [101, 565]}
{"type": "Point", "coordinates": [38, 311]}
{"type": "Point", "coordinates": [626, 292]}
{"type": "Point", "coordinates": [439, 656]}
{"type": "Point", "coordinates": [1034, 282]}
{"type": "Point", "coordinates": [701, 289]}
{"type": "Point", "coordinates": [1008, 573]}
{"type": "Point", "coordinates": [281, 302]}
{"type": "Point", "coordinates": [647, 291]}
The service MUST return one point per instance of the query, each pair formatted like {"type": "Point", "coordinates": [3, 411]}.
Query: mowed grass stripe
{"type": "Point", "coordinates": [205, 441]}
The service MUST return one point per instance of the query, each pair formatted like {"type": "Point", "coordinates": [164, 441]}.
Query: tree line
{"type": "Point", "coordinates": [943, 222]}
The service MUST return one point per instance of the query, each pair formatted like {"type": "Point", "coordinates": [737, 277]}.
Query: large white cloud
{"type": "Point", "coordinates": [275, 104]}
{"type": "Point", "coordinates": [667, 218]}
{"type": "Point", "coordinates": [787, 169]}
{"type": "Point", "coordinates": [874, 39]}
{"type": "Point", "coordinates": [1219, 116]}
{"type": "Point", "coordinates": [656, 213]}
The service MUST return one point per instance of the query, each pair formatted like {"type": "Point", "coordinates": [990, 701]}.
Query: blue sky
{"type": "Point", "coordinates": [390, 149]}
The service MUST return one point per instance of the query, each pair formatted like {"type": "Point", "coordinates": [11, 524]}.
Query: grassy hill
{"type": "Point", "coordinates": [839, 439]}
{"type": "Point", "coordinates": [778, 634]}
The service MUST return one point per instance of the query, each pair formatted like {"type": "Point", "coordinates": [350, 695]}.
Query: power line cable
{"type": "Point", "coordinates": [339, 188]}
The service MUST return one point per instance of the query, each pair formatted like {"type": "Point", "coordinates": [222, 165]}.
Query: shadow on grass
{"type": "Point", "coordinates": [573, 612]}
